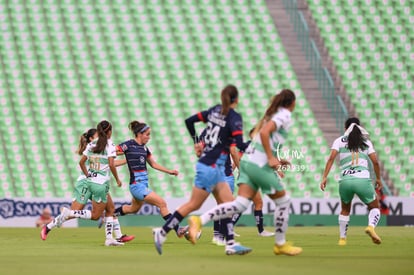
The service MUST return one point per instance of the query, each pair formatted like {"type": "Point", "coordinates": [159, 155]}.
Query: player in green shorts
{"type": "Point", "coordinates": [258, 168]}
{"type": "Point", "coordinates": [355, 151]}
{"type": "Point", "coordinates": [94, 184]}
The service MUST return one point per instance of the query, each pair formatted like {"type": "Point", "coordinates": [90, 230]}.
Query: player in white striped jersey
{"type": "Point", "coordinates": [100, 155]}
{"type": "Point", "coordinates": [355, 151]}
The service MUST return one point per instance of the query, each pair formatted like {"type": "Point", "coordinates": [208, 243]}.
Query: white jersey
{"type": "Point", "coordinates": [98, 170]}
{"type": "Point", "coordinates": [255, 152]}
{"type": "Point", "coordinates": [353, 164]}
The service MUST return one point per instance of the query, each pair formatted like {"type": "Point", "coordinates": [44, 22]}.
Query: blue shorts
{"type": "Point", "coordinates": [140, 189]}
{"type": "Point", "coordinates": [230, 181]}
{"type": "Point", "coordinates": [208, 176]}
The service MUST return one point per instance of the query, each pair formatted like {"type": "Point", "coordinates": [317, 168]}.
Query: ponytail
{"type": "Point", "coordinates": [356, 140]}
{"type": "Point", "coordinates": [137, 127]}
{"type": "Point", "coordinates": [103, 128]}
{"type": "Point", "coordinates": [84, 140]}
{"type": "Point", "coordinates": [229, 95]}
{"type": "Point", "coordinates": [283, 99]}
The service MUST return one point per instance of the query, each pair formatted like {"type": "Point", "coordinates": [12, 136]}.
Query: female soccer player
{"type": "Point", "coordinates": [218, 237]}
{"type": "Point", "coordinates": [100, 155]}
{"type": "Point", "coordinates": [223, 125]}
{"type": "Point", "coordinates": [257, 199]}
{"type": "Point", "coordinates": [81, 194]}
{"type": "Point", "coordinates": [138, 155]}
{"type": "Point", "coordinates": [257, 170]}
{"type": "Point", "coordinates": [80, 198]}
{"type": "Point", "coordinates": [355, 150]}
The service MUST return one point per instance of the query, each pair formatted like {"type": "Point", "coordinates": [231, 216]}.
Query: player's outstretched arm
{"type": "Point", "coordinates": [151, 161]}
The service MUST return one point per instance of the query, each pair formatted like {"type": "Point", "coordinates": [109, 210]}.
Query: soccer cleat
{"type": "Point", "coordinates": [159, 238]}
{"type": "Point", "coordinates": [194, 228]}
{"type": "Point", "coordinates": [265, 233]}
{"type": "Point", "coordinates": [182, 231]}
{"type": "Point", "coordinates": [218, 240]}
{"type": "Point", "coordinates": [287, 249]}
{"type": "Point", "coordinates": [342, 241]}
{"type": "Point", "coordinates": [64, 214]}
{"type": "Point", "coordinates": [112, 242]}
{"type": "Point", "coordinates": [237, 249]}
{"type": "Point", "coordinates": [371, 232]}
{"type": "Point", "coordinates": [44, 232]}
{"type": "Point", "coordinates": [125, 238]}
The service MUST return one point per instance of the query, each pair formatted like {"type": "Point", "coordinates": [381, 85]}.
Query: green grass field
{"type": "Point", "coordinates": [81, 251]}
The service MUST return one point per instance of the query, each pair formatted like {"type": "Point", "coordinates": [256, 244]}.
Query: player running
{"type": "Point", "coordinates": [223, 125]}
{"type": "Point", "coordinates": [355, 150]}
{"type": "Point", "coordinates": [100, 155]}
{"type": "Point", "coordinates": [137, 156]}
{"type": "Point", "coordinates": [257, 170]}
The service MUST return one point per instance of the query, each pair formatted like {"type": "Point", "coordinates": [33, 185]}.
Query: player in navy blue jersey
{"type": "Point", "coordinates": [137, 156]}
{"type": "Point", "coordinates": [224, 124]}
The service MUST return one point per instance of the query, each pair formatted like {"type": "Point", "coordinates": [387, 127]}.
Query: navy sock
{"type": "Point", "coordinates": [258, 214]}
{"type": "Point", "coordinates": [228, 231]}
{"type": "Point", "coordinates": [119, 212]}
{"type": "Point", "coordinates": [216, 228]}
{"type": "Point", "coordinates": [236, 218]}
{"type": "Point", "coordinates": [166, 219]}
{"type": "Point", "coordinates": [172, 222]}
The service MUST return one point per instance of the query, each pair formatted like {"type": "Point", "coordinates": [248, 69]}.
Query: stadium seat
{"type": "Point", "coordinates": [368, 44]}
{"type": "Point", "coordinates": [68, 65]}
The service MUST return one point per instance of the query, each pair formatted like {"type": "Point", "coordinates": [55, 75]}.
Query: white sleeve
{"type": "Point", "coordinates": [111, 149]}
{"type": "Point", "coordinates": [370, 147]}
{"type": "Point", "coordinates": [281, 119]}
{"type": "Point", "coordinates": [87, 149]}
{"type": "Point", "coordinates": [336, 144]}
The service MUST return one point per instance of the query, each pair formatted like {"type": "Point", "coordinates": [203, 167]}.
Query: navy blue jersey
{"type": "Point", "coordinates": [228, 170]}
{"type": "Point", "coordinates": [219, 133]}
{"type": "Point", "coordinates": [136, 156]}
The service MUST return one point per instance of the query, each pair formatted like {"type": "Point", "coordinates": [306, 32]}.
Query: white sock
{"type": "Point", "coordinates": [52, 224]}
{"type": "Point", "coordinates": [82, 214]}
{"type": "Point", "coordinates": [109, 223]}
{"type": "Point", "coordinates": [374, 216]}
{"type": "Point", "coordinates": [343, 225]}
{"type": "Point", "coordinates": [225, 210]}
{"type": "Point", "coordinates": [117, 228]}
{"type": "Point", "coordinates": [281, 217]}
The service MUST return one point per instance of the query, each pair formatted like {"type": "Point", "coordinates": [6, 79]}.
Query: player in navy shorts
{"type": "Point", "coordinates": [224, 124]}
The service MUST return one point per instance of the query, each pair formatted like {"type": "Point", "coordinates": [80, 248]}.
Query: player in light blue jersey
{"type": "Point", "coordinates": [355, 151]}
